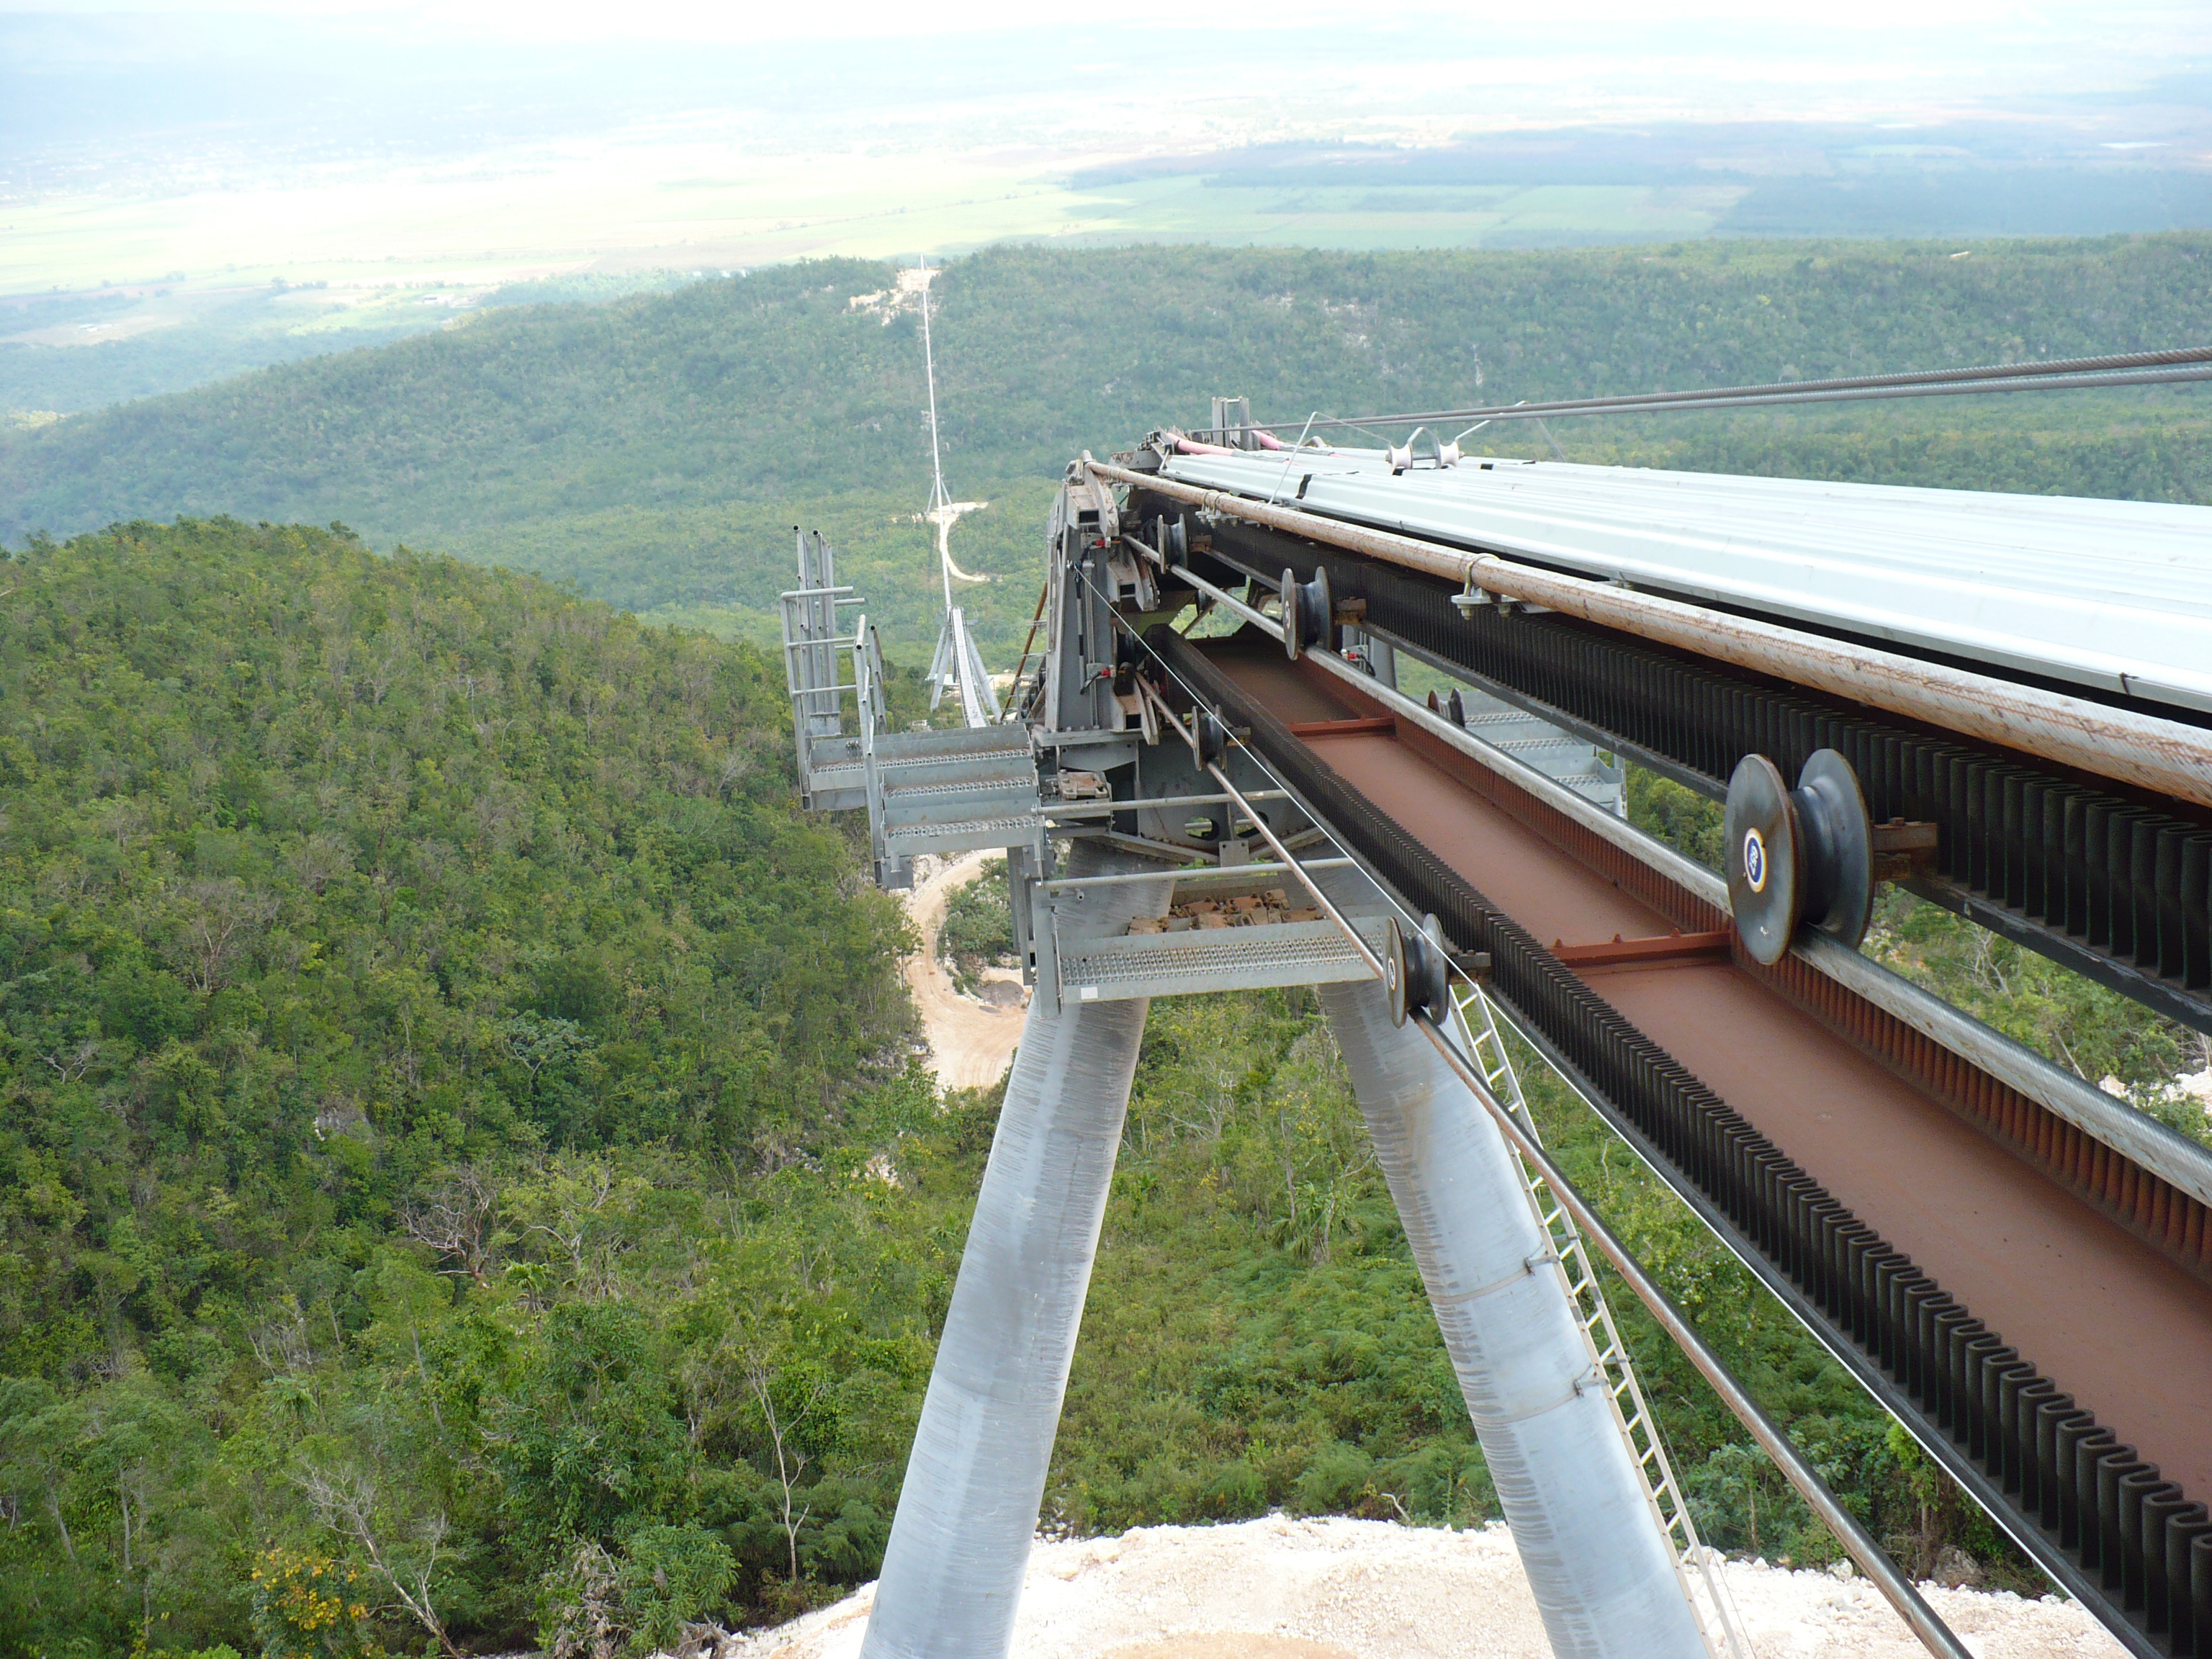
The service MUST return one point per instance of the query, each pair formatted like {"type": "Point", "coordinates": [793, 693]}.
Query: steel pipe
{"type": "Point", "coordinates": [2163, 756]}
{"type": "Point", "coordinates": [1238, 607]}
{"type": "Point", "coordinates": [2182, 359]}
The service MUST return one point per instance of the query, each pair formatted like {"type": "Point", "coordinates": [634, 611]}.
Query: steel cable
{"type": "Point", "coordinates": [2180, 363]}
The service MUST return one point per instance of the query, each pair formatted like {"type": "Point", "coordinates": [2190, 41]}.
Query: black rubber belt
{"type": "Point", "coordinates": [2126, 1543]}
{"type": "Point", "coordinates": [2115, 888]}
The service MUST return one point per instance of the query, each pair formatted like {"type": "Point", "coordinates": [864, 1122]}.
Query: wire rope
{"type": "Point", "coordinates": [2182, 363]}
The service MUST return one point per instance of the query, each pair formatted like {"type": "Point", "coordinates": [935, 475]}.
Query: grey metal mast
{"type": "Point", "coordinates": [957, 665]}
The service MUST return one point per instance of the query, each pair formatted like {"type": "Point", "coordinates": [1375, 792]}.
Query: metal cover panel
{"type": "Point", "coordinates": [2112, 594]}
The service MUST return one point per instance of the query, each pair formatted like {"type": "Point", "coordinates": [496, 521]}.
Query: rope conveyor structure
{"type": "Point", "coordinates": [1999, 702]}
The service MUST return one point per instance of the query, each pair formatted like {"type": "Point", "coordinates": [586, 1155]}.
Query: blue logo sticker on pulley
{"type": "Point", "coordinates": [1755, 860]}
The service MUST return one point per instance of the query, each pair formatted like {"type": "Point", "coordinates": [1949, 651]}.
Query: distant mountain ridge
{"type": "Point", "coordinates": [657, 449]}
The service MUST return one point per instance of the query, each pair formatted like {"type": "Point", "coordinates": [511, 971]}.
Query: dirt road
{"type": "Point", "coordinates": [970, 1040]}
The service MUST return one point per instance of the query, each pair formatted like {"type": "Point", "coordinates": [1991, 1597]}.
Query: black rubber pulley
{"type": "Point", "coordinates": [1801, 856]}
{"type": "Point", "coordinates": [1212, 740]}
{"type": "Point", "coordinates": [1172, 537]}
{"type": "Point", "coordinates": [1416, 971]}
{"type": "Point", "coordinates": [1308, 615]}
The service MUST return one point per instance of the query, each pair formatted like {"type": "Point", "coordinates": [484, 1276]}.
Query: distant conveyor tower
{"type": "Point", "coordinates": [1188, 808]}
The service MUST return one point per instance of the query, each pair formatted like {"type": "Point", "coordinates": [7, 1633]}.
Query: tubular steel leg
{"type": "Point", "coordinates": [960, 1543]}
{"type": "Point", "coordinates": [1603, 1579]}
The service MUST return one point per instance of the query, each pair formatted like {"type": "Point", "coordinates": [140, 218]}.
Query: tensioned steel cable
{"type": "Point", "coordinates": [2059, 375]}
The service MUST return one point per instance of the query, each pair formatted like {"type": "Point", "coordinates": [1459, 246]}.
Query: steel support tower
{"type": "Point", "coordinates": [1217, 724]}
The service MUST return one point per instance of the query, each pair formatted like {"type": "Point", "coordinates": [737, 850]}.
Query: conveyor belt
{"type": "Point", "coordinates": [1937, 1230]}
{"type": "Point", "coordinates": [2114, 886]}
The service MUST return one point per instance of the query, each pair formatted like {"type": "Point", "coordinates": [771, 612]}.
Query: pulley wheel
{"type": "Point", "coordinates": [1172, 537]}
{"type": "Point", "coordinates": [1765, 854]}
{"type": "Point", "coordinates": [1212, 740]}
{"type": "Point", "coordinates": [1308, 613]}
{"type": "Point", "coordinates": [1838, 836]}
{"type": "Point", "coordinates": [1416, 971]}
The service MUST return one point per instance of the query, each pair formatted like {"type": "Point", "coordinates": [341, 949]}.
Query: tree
{"type": "Point", "coordinates": [785, 1397]}
{"type": "Point", "coordinates": [217, 920]}
{"type": "Point", "coordinates": [404, 1557]}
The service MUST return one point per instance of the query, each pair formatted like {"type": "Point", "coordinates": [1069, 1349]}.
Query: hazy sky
{"type": "Point", "coordinates": [1491, 65]}
{"type": "Point", "coordinates": [324, 138]}
{"type": "Point", "coordinates": [1995, 24]}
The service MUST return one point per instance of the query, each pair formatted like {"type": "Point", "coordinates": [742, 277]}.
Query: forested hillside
{"type": "Point", "coordinates": [657, 450]}
{"type": "Point", "coordinates": [385, 946]}
{"type": "Point", "coordinates": [466, 1187]}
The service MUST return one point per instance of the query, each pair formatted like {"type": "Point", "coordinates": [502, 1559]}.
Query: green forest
{"type": "Point", "coordinates": [657, 450]}
{"type": "Point", "coordinates": [469, 1180]}
{"type": "Point", "coordinates": [468, 1185]}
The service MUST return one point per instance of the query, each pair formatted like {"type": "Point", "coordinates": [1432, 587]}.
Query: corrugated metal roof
{"type": "Point", "coordinates": [2113, 595]}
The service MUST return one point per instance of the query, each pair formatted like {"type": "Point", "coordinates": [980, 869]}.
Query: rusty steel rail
{"type": "Point", "coordinates": [1907, 1204]}
{"type": "Point", "coordinates": [2166, 757]}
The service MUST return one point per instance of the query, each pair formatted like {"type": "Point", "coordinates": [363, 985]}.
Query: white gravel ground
{"type": "Point", "coordinates": [1284, 1588]}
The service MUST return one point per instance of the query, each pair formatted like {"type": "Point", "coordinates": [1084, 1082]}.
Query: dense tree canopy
{"type": "Point", "coordinates": [353, 911]}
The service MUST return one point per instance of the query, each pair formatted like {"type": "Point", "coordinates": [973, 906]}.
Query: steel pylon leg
{"type": "Point", "coordinates": [960, 1543]}
{"type": "Point", "coordinates": [1604, 1579]}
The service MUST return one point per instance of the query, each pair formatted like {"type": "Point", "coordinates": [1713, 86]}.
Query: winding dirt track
{"type": "Point", "coordinates": [972, 1043]}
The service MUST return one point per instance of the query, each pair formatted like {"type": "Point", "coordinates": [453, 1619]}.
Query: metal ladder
{"type": "Point", "coordinates": [1695, 1567]}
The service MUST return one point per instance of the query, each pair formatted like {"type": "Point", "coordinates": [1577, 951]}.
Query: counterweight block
{"type": "Point", "coordinates": [1797, 856]}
